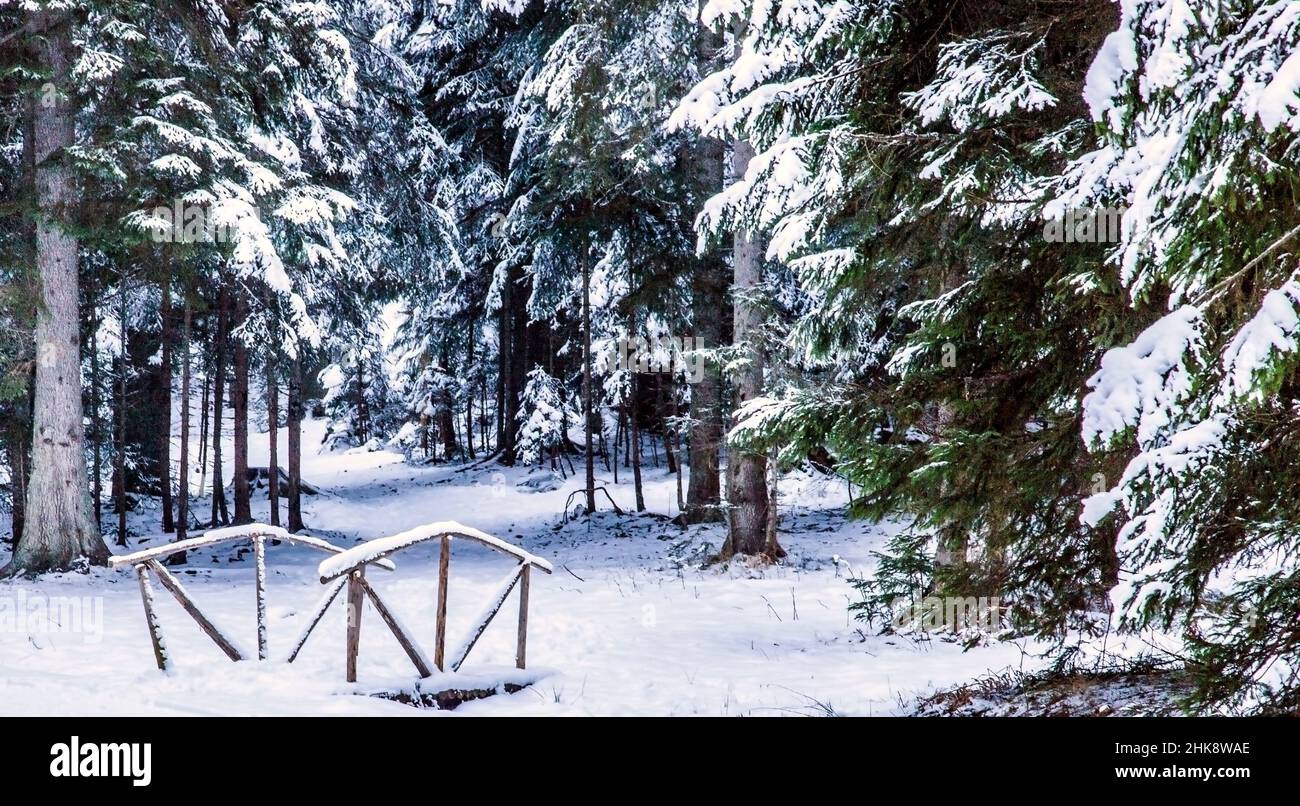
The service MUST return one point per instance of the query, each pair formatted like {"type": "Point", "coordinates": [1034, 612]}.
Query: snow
{"type": "Point", "coordinates": [1140, 382]}
{"type": "Point", "coordinates": [1117, 58]}
{"type": "Point", "coordinates": [629, 624]}
{"type": "Point", "coordinates": [1270, 332]}
{"type": "Point", "coordinates": [1278, 102]}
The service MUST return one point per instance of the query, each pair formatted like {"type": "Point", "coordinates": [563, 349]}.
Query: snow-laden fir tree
{"type": "Point", "coordinates": [903, 154]}
{"type": "Point", "coordinates": [545, 417]}
{"type": "Point", "coordinates": [1198, 106]}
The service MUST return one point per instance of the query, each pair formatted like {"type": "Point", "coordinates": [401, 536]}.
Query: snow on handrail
{"type": "Point", "coordinates": [375, 550]}
{"type": "Point", "coordinates": [229, 533]}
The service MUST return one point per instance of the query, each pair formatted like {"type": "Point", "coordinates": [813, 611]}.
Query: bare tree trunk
{"type": "Point", "coordinates": [709, 305]}
{"type": "Point", "coordinates": [636, 445]}
{"type": "Point", "coordinates": [239, 400]}
{"type": "Point", "coordinates": [60, 528]}
{"type": "Point", "coordinates": [447, 414]}
{"type": "Point", "coordinates": [165, 406]}
{"type": "Point", "coordinates": [747, 497]}
{"type": "Point", "coordinates": [220, 514]}
{"type": "Point", "coordinates": [363, 418]}
{"type": "Point", "coordinates": [20, 430]}
{"type": "Point", "coordinates": [294, 424]}
{"type": "Point", "coordinates": [514, 298]}
{"type": "Point", "coordinates": [273, 434]}
{"type": "Point", "coordinates": [96, 424]}
{"type": "Point", "coordinates": [119, 461]}
{"type": "Point", "coordinates": [503, 368]}
{"type": "Point", "coordinates": [183, 472]}
{"type": "Point", "coordinates": [19, 444]}
{"type": "Point", "coordinates": [469, 396]}
{"type": "Point", "coordinates": [482, 412]}
{"type": "Point", "coordinates": [203, 426]}
{"type": "Point", "coordinates": [590, 458]}
{"type": "Point", "coordinates": [618, 440]}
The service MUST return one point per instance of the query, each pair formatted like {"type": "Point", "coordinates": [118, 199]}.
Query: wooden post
{"type": "Point", "coordinates": [521, 645]}
{"type": "Point", "coordinates": [172, 584]}
{"type": "Point", "coordinates": [440, 641]}
{"type": "Point", "coordinates": [151, 618]}
{"type": "Point", "coordinates": [355, 603]}
{"type": "Point", "coordinates": [259, 554]}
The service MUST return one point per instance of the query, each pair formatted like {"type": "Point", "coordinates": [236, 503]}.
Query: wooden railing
{"type": "Point", "coordinates": [349, 567]}
{"type": "Point", "coordinates": [148, 564]}
{"type": "Point", "coordinates": [344, 568]}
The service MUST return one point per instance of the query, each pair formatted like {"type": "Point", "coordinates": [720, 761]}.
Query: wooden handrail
{"type": "Point", "coordinates": [381, 547]}
{"type": "Point", "coordinates": [231, 534]}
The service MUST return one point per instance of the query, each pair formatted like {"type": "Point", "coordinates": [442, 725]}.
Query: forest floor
{"type": "Point", "coordinates": [629, 623]}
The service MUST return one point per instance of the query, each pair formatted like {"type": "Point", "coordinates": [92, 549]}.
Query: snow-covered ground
{"type": "Point", "coordinates": [627, 624]}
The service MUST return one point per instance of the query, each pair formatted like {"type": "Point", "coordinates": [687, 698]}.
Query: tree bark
{"type": "Point", "coordinates": [636, 444]}
{"type": "Point", "coordinates": [514, 298]}
{"type": "Point", "coordinates": [60, 528]}
{"type": "Point", "coordinates": [165, 406]}
{"type": "Point", "coordinates": [119, 456]}
{"type": "Point", "coordinates": [239, 400]}
{"type": "Point", "coordinates": [589, 458]}
{"type": "Point", "coordinates": [294, 425]}
{"type": "Point", "coordinates": [20, 429]}
{"type": "Point", "coordinates": [203, 425]}
{"type": "Point", "coordinates": [447, 414]}
{"type": "Point", "coordinates": [273, 435]}
{"type": "Point", "coordinates": [469, 394]}
{"type": "Point", "coordinates": [747, 497]}
{"type": "Point", "coordinates": [709, 310]}
{"type": "Point", "coordinates": [183, 473]}
{"type": "Point", "coordinates": [220, 515]}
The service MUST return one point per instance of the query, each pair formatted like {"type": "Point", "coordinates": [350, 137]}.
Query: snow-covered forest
{"type": "Point", "coordinates": [841, 356]}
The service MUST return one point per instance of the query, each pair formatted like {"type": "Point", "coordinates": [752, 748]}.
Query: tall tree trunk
{"type": "Point", "coordinates": [482, 411]}
{"type": "Point", "coordinates": [747, 497]}
{"type": "Point", "coordinates": [203, 425]}
{"type": "Point", "coordinates": [664, 393]}
{"type": "Point", "coordinates": [709, 306]}
{"type": "Point", "coordinates": [17, 454]}
{"type": "Point", "coordinates": [469, 396]}
{"type": "Point", "coordinates": [503, 368]}
{"type": "Point", "coordinates": [119, 461]}
{"type": "Point", "coordinates": [165, 405]}
{"type": "Point", "coordinates": [20, 430]}
{"type": "Point", "coordinates": [60, 526]}
{"type": "Point", "coordinates": [447, 414]}
{"type": "Point", "coordinates": [220, 515]}
{"type": "Point", "coordinates": [636, 443]}
{"type": "Point", "coordinates": [183, 472]}
{"type": "Point", "coordinates": [294, 425]}
{"type": "Point", "coordinates": [362, 419]}
{"type": "Point", "coordinates": [681, 498]}
{"type": "Point", "coordinates": [515, 305]}
{"type": "Point", "coordinates": [589, 457]}
{"type": "Point", "coordinates": [273, 436]}
{"type": "Point", "coordinates": [239, 399]}
{"type": "Point", "coordinates": [96, 423]}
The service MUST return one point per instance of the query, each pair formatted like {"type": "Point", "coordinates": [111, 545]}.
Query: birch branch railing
{"type": "Point", "coordinates": [147, 563]}
{"type": "Point", "coordinates": [349, 567]}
